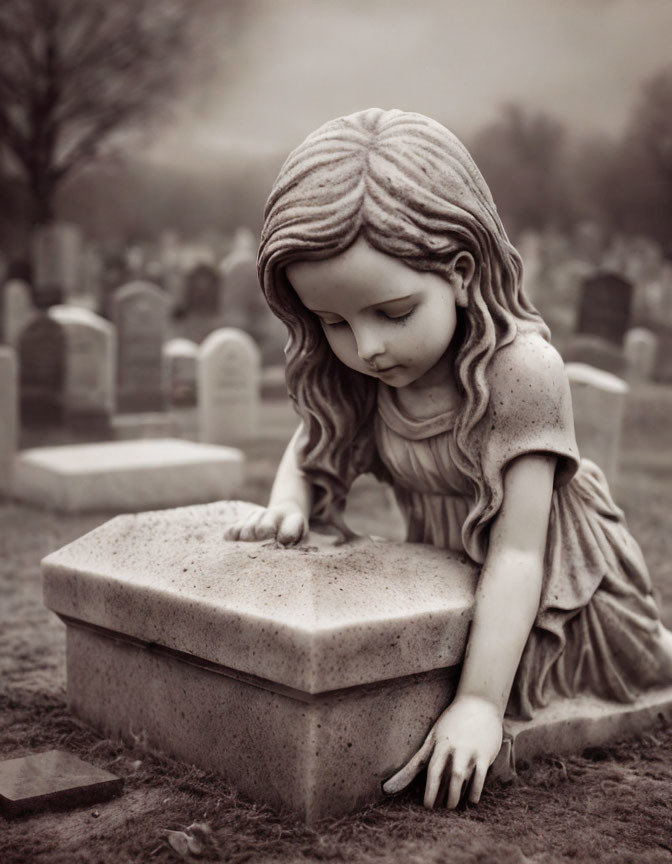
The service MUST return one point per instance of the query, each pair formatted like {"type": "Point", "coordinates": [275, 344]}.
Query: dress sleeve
{"type": "Point", "coordinates": [529, 411]}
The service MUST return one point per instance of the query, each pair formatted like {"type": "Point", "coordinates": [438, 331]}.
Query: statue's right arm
{"type": "Point", "coordinates": [286, 517]}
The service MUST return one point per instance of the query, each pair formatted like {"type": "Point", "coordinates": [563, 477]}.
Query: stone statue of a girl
{"type": "Point", "coordinates": [415, 354]}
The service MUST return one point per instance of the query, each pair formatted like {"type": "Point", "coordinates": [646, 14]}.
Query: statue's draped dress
{"type": "Point", "coordinates": [598, 627]}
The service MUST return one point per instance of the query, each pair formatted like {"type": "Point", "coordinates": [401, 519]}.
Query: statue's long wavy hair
{"type": "Point", "coordinates": [410, 188]}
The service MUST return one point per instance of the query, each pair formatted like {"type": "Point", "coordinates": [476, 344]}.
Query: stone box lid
{"type": "Point", "coordinates": [315, 618]}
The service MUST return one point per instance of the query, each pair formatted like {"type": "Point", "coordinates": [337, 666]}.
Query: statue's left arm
{"type": "Point", "coordinates": [466, 738]}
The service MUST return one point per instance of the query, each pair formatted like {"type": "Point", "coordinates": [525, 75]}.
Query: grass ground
{"type": "Point", "coordinates": [606, 805]}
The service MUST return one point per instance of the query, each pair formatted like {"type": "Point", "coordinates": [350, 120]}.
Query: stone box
{"type": "Point", "coordinates": [302, 675]}
{"type": "Point", "coordinates": [126, 475]}
{"type": "Point", "coordinates": [305, 676]}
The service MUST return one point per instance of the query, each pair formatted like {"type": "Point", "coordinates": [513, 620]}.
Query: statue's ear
{"type": "Point", "coordinates": [462, 269]}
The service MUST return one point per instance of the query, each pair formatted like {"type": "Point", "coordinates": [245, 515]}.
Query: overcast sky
{"type": "Point", "coordinates": [290, 65]}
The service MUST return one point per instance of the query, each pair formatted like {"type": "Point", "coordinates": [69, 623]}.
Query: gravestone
{"type": "Point", "coordinates": [228, 374]}
{"type": "Point", "coordinates": [604, 307]}
{"type": "Point", "coordinates": [243, 302]}
{"type": "Point", "coordinates": [17, 310]}
{"type": "Point", "coordinates": [90, 373]}
{"type": "Point", "coordinates": [174, 286]}
{"type": "Point", "coordinates": [113, 277]}
{"type": "Point", "coordinates": [663, 366]}
{"type": "Point", "coordinates": [306, 676]}
{"type": "Point", "coordinates": [598, 401]}
{"type": "Point", "coordinates": [603, 317]}
{"type": "Point", "coordinates": [640, 348]}
{"type": "Point", "coordinates": [91, 277]}
{"type": "Point", "coordinates": [202, 291]}
{"type": "Point", "coordinates": [56, 256]}
{"type": "Point", "coordinates": [9, 412]}
{"type": "Point", "coordinates": [179, 356]}
{"type": "Point", "coordinates": [42, 359]}
{"type": "Point", "coordinates": [140, 314]}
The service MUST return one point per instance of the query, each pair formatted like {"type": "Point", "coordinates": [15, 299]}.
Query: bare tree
{"type": "Point", "coordinates": [75, 75]}
{"type": "Point", "coordinates": [522, 156]}
{"type": "Point", "coordinates": [645, 165]}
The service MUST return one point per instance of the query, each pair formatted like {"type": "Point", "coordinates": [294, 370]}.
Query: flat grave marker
{"type": "Point", "coordinates": [126, 475]}
{"type": "Point", "coordinates": [54, 779]}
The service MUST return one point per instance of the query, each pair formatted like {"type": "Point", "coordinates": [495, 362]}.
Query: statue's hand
{"type": "Point", "coordinates": [284, 522]}
{"type": "Point", "coordinates": [467, 735]}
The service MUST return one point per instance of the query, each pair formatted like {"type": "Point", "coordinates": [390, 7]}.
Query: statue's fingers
{"type": "Point", "coordinates": [460, 772]}
{"type": "Point", "coordinates": [478, 781]}
{"type": "Point", "coordinates": [232, 532]}
{"type": "Point", "coordinates": [268, 525]}
{"type": "Point", "coordinates": [411, 769]}
{"type": "Point", "coordinates": [291, 529]}
{"type": "Point", "coordinates": [435, 772]}
{"type": "Point", "coordinates": [249, 527]}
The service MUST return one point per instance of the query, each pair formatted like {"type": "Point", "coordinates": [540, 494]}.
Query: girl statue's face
{"type": "Point", "coordinates": [381, 317]}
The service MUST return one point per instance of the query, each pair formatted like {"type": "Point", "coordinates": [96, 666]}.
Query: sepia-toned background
{"type": "Point", "coordinates": [138, 142]}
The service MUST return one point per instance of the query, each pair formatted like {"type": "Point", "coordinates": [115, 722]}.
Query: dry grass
{"type": "Point", "coordinates": [606, 805]}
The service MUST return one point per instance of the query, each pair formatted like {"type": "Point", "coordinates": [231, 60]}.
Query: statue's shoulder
{"type": "Point", "coordinates": [528, 365]}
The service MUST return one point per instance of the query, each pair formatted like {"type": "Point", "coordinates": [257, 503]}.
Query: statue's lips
{"type": "Point", "coordinates": [387, 369]}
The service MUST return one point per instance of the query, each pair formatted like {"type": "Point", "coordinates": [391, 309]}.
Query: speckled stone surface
{"type": "Point", "coordinates": [316, 757]}
{"type": "Point", "coordinates": [126, 475]}
{"type": "Point", "coordinates": [316, 617]}
{"type": "Point", "coordinates": [55, 778]}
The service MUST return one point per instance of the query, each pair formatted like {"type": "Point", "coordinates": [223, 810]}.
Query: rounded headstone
{"type": "Point", "coordinates": [598, 401]}
{"type": "Point", "coordinates": [42, 361]}
{"type": "Point", "coordinates": [229, 366]}
{"type": "Point", "coordinates": [641, 346]}
{"type": "Point", "coordinates": [140, 313]}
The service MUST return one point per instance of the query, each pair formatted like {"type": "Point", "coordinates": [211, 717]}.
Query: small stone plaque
{"type": "Point", "coordinates": [53, 779]}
